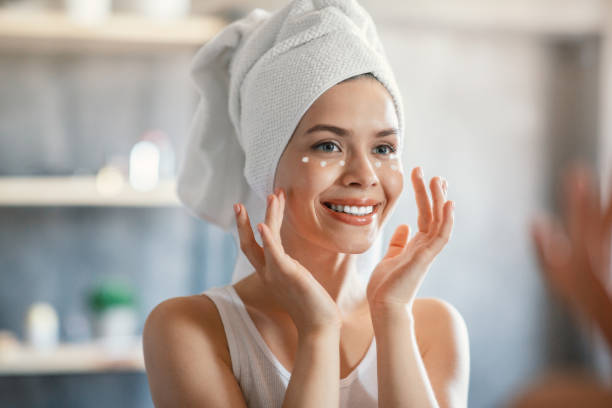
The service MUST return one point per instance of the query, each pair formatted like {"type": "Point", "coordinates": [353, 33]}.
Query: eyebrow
{"type": "Point", "coordinates": [343, 132]}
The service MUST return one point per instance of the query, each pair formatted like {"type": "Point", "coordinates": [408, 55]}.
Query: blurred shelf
{"type": "Point", "coordinates": [57, 31]}
{"type": "Point", "coordinates": [556, 18]}
{"type": "Point", "coordinates": [90, 357]}
{"type": "Point", "coordinates": [80, 191]}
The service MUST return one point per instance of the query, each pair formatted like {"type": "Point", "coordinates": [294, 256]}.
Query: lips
{"type": "Point", "coordinates": [358, 220]}
{"type": "Point", "coordinates": [359, 202]}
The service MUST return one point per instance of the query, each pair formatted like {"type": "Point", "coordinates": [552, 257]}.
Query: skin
{"type": "Point", "coordinates": [305, 297]}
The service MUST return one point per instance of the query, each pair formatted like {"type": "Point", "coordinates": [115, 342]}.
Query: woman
{"type": "Point", "coordinates": [304, 329]}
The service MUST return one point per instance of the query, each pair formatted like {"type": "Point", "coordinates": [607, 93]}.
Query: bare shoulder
{"type": "Point", "coordinates": [194, 316]}
{"type": "Point", "coordinates": [186, 355]}
{"type": "Point", "coordinates": [433, 315]}
{"type": "Point", "coordinates": [443, 342]}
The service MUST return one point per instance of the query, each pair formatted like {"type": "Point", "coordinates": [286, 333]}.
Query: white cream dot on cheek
{"type": "Point", "coordinates": [342, 162]}
{"type": "Point", "coordinates": [305, 159]}
{"type": "Point", "coordinates": [323, 163]}
{"type": "Point", "coordinates": [377, 164]}
{"type": "Point", "coordinates": [393, 167]}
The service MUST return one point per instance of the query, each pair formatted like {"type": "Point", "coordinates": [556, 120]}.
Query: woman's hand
{"type": "Point", "coordinates": [575, 257]}
{"type": "Point", "coordinates": [298, 292]}
{"type": "Point", "coordinates": [396, 279]}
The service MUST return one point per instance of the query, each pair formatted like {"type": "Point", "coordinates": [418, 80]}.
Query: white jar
{"type": "Point", "coordinates": [42, 326]}
{"type": "Point", "coordinates": [88, 11]}
{"type": "Point", "coordinates": [116, 321]}
{"type": "Point", "coordinates": [161, 9]}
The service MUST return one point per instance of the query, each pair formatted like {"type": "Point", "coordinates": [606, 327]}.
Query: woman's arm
{"type": "Point", "coordinates": [315, 380]}
{"type": "Point", "coordinates": [181, 345]}
{"type": "Point", "coordinates": [435, 375]}
{"type": "Point", "coordinates": [408, 376]}
{"type": "Point", "coordinates": [182, 339]}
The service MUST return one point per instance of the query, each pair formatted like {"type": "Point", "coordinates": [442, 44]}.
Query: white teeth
{"type": "Point", "coordinates": [355, 210]}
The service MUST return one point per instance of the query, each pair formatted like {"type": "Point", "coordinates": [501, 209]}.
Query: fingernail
{"type": "Point", "coordinates": [259, 228]}
{"type": "Point", "coordinates": [420, 172]}
{"type": "Point", "coordinates": [237, 209]}
{"type": "Point", "coordinates": [452, 205]}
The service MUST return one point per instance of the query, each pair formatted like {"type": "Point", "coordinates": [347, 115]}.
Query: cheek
{"type": "Point", "coordinates": [307, 177]}
{"type": "Point", "coordinates": [391, 176]}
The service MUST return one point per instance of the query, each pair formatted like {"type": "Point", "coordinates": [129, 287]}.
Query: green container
{"type": "Point", "coordinates": [109, 294]}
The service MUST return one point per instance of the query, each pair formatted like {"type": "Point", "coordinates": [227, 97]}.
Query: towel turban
{"type": "Point", "coordinates": [256, 78]}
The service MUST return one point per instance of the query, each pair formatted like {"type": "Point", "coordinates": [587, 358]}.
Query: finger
{"type": "Point", "coordinates": [606, 239]}
{"type": "Point", "coordinates": [607, 215]}
{"type": "Point", "coordinates": [248, 244]}
{"type": "Point", "coordinates": [444, 187]}
{"type": "Point", "coordinates": [422, 200]}
{"type": "Point", "coordinates": [582, 222]}
{"type": "Point", "coordinates": [269, 215]}
{"type": "Point", "coordinates": [575, 211]}
{"type": "Point", "coordinates": [273, 252]}
{"type": "Point", "coordinates": [543, 235]}
{"type": "Point", "coordinates": [277, 213]}
{"type": "Point", "coordinates": [560, 271]}
{"type": "Point", "coordinates": [398, 242]}
{"type": "Point", "coordinates": [445, 230]}
{"type": "Point", "coordinates": [435, 185]}
{"type": "Point", "coordinates": [540, 236]}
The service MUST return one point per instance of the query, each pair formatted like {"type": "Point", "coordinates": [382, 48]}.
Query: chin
{"type": "Point", "coordinates": [354, 247]}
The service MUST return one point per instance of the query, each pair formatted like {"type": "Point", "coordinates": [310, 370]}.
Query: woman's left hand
{"type": "Point", "coordinates": [396, 279]}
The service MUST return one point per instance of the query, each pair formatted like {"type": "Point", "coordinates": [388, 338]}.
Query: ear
{"type": "Point", "coordinates": [399, 240]}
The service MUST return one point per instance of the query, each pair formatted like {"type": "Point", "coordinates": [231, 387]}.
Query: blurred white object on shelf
{"type": "Point", "coordinates": [110, 181]}
{"type": "Point", "coordinates": [144, 166]}
{"type": "Point", "coordinates": [161, 9]}
{"type": "Point", "coordinates": [166, 152]}
{"type": "Point", "coordinates": [116, 328]}
{"type": "Point", "coordinates": [9, 346]}
{"type": "Point", "coordinates": [42, 326]}
{"type": "Point", "coordinates": [88, 11]}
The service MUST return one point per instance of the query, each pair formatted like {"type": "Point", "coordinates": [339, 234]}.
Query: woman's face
{"type": "Point", "coordinates": [342, 154]}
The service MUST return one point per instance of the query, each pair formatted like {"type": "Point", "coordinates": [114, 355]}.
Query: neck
{"type": "Point", "coordinates": [336, 272]}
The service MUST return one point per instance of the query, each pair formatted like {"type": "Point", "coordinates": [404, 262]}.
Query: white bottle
{"type": "Point", "coordinates": [42, 326]}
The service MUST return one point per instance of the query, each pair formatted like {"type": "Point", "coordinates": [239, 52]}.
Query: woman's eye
{"type": "Point", "coordinates": [326, 147]}
{"type": "Point", "coordinates": [386, 149]}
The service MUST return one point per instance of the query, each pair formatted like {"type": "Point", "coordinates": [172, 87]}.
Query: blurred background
{"type": "Point", "coordinates": [95, 106]}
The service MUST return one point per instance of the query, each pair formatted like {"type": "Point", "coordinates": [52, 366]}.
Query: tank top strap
{"type": "Point", "coordinates": [229, 316]}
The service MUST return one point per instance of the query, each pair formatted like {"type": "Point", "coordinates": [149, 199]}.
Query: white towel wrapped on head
{"type": "Point", "coordinates": [256, 79]}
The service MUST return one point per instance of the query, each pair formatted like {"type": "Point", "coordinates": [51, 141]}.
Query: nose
{"type": "Point", "coordinates": [359, 171]}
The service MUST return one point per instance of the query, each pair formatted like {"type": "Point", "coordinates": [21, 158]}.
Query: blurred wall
{"type": "Point", "coordinates": [67, 113]}
{"type": "Point", "coordinates": [497, 113]}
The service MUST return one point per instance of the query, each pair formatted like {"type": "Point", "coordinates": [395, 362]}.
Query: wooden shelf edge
{"type": "Point", "coordinates": [117, 29]}
{"type": "Point", "coordinates": [72, 358]}
{"type": "Point", "coordinates": [80, 191]}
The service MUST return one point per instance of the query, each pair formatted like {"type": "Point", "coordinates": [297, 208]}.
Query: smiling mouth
{"type": "Point", "coordinates": [356, 211]}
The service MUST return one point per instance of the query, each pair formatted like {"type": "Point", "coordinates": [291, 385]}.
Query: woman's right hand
{"type": "Point", "coordinates": [310, 306]}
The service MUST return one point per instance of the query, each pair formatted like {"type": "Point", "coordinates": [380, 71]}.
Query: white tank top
{"type": "Point", "coordinates": [262, 378]}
